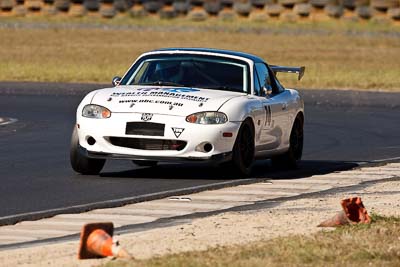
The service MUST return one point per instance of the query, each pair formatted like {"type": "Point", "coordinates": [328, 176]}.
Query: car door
{"type": "Point", "coordinates": [289, 105]}
{"type": "Point", "coordinates": [274, 109]}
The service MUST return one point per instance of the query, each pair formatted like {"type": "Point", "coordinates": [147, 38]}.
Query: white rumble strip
{"type": "Point", "coordinates": [215, 200]}
{"type": "Point", "coordinates": [5, 121]}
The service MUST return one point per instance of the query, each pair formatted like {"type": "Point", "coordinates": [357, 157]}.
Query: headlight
{"type": "Point", "coordinates": [207, 117]}
{"type": "Point", "coordinates": [96, 112]}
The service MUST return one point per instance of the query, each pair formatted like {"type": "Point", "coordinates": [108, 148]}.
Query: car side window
{"type": "Point", "coordinates": [267, 78]}
{"type": "Point", "coordinates": [263, 75]}
{"type": "Point", "coordinates": [257, 86]}
{"type": "Point", "coordinates": [276, 85]}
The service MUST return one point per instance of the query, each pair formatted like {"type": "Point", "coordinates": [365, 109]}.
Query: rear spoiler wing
{"type": "Point", "coordinates": [299, 70]}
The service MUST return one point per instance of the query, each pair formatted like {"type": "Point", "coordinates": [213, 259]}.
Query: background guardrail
{"type": "Point", "coordinates": [199, 10]}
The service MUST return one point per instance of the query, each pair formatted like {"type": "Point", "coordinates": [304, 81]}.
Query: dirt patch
{"type": "Point", "coordinates": [292, 217]}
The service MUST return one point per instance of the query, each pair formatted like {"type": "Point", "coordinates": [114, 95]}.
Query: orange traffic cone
{"type": "Point", "coordinates": [353, 212]}
{"type": "Point", "coordinates": [338, 220]}
{"type": "Point", "coordinates": [97, 242]}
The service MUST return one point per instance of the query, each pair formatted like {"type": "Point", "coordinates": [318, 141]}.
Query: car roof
{"type": "Point", "coordinates": [254, 58]}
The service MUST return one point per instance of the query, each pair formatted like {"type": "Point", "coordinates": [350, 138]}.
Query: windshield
{"type": "Point", "coordinates": [198, 71]}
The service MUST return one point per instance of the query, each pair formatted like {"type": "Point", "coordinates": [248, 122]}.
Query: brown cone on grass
{"type": "Point", "coordinates": [353, 212]}
{"type": "Point", "coordinates": [96, 242]}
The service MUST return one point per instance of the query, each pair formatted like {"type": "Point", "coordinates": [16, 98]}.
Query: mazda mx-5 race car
{"type": "Point", "coordinates": [191, 104]}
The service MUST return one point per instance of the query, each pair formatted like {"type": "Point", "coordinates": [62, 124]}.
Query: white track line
{"type": "Point", "coordinates": [383, 160]}
{"type": "Point", "coordinates": [5, 121]}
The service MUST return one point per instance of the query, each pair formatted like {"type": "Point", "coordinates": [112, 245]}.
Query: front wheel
{"type": "Point", "coordinates": [79, 162]}
{"type": "Point", "coordinates": [291, 158]}
{"type": "Point", "coordinates": [243, 150]}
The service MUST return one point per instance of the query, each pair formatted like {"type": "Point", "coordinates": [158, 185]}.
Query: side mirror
{"type": "Point", "coordinates": [267, 89]}
{"type": "Point", "coordinates": [116, 80]}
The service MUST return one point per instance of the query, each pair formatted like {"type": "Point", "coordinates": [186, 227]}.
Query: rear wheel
{"type": "Point", "coordinates": [79, 162]}
{"type": "Point", "coordinates": [243, 150]}
{"type": "Point", "coordinates": [291, 158]}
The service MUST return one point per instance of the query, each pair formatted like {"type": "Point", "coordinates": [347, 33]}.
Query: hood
{"type": "Point", "coordinates": [162, 100]}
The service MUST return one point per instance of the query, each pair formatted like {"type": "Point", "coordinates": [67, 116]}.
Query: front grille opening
{"type": "Point", "coordinates": [145, 128]}
{"type": "Point", "coordinates": [148, 144]}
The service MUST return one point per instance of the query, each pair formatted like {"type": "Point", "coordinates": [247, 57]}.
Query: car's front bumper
{"type": "Point", "coordinates": [216, 158]}
{"type": "Point", "coordinates": [193, 134]}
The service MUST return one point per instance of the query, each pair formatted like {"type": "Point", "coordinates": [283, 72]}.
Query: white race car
{"type": "Point", "coordinates": [191, 104]}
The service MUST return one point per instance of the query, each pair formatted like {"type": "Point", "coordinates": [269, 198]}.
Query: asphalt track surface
{"type": "Point", "coordinates": [342, 129]}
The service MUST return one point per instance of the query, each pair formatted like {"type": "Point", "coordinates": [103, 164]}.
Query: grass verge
{"type": "Point", "coordinates": [377, 244]}
{"type": "Point", "coordinates": [362, 56]}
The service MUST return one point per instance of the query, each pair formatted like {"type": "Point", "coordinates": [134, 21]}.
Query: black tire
{"type": "Point", "coordinates": [197, 15]}
{"type": "Point", "coordinates": [145, 163]}
{"type": "Point", "coordinates": [291, 158]}
{"type": "Point", "coordinates": [196, 2]}
{"type": "Point", "coordinates": [349, 4]}
{"type": "Point", "coordinates": [7, 5]}
{"type": "Point", "coordinates": [364, 12]}
{"type": "Point", "coordinates": [381, 5]}
{"type": "Point", "coordinates": [394, 13]}
{"type": "Point", "coordinates": [260, 3]}
{"type": "Point", "coordinates": [152, 6]}
{"type": "Point", "coordinates": [360, 3]}
{"type": "Point", "coordinates": [79, 162]}
{"type": "Point", "coordinates": [62, 5]}
{"type": "Point", "coordinates": [244, 149]}
{"type": "Point", "coordinates": [227, 3]}
{"type": "Point", "coordinates": [181, 7]}
{"type": "Point", "coordinates": [302, 9]}
{"type": "Point", "coordinates": [92, 5]}
{"type": "Point", "coordinates": [274, 10]}
{"type": "Point", "coordinates": [243, 9]}
{"type": "Point", "coordinates": [288, 3]}
{"type": "Point", "coordinates": [334, 11]}
{"type": "Point", "coordinates": [212, 7]}
{"type": "Point", "coordinates": [121, 5]}
{"type": "Point", "coordinates": [319, 3]}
